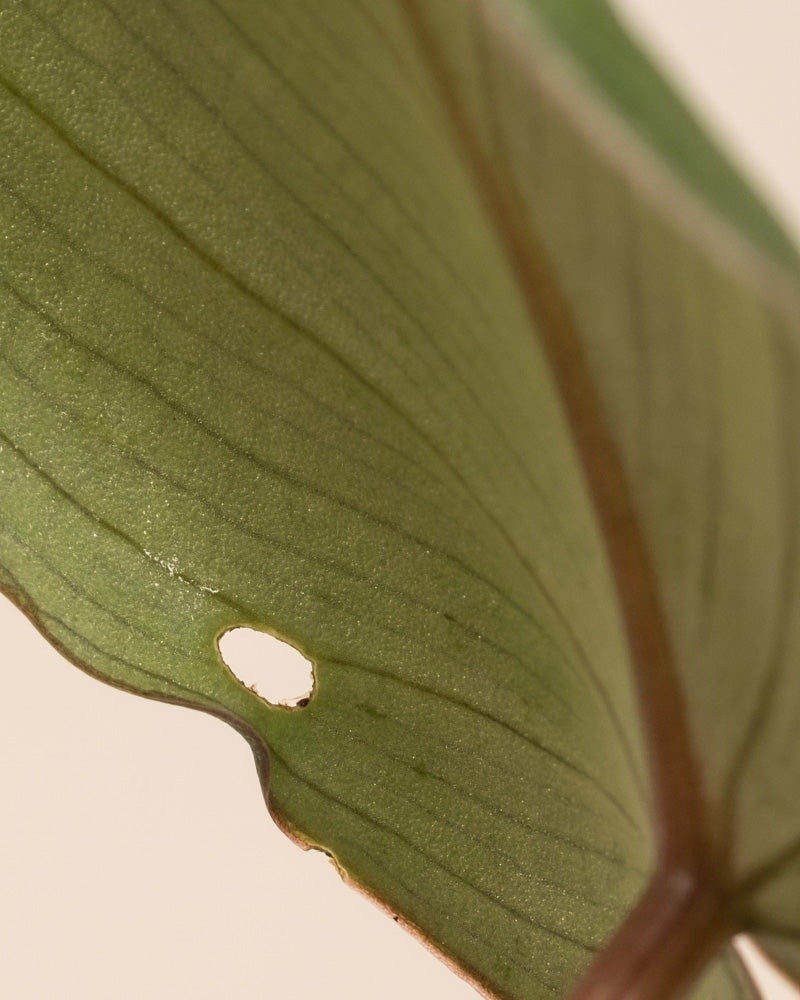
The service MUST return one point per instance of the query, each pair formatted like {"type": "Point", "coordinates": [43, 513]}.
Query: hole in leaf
{"type": "Point", "coordinates": [274, 669]}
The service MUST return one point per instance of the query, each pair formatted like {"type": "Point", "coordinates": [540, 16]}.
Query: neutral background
{"type": "Point", "coordinates": [136, 856]}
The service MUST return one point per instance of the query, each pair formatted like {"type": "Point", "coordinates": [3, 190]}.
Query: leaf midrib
{"type": "Point", "coordinates": [692, 849]}
{"type": "Point", "coordinates": [679, 804]}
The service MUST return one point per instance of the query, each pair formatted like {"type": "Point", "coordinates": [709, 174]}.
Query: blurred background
{"type": "Point", "coordinates": [136, 856]}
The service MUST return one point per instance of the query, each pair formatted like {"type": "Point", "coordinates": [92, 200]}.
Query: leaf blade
{"type": "Point", "coordinates": [503, 581]}
{"type": "Point", "coordinates": [168, 579]}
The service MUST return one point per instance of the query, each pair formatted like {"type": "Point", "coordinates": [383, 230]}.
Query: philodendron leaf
{"type": "Point", "coordinates": [412, 333]}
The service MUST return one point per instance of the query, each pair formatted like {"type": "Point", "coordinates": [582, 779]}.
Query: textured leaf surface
{"type": "Point", "coordinates": [264, 362]}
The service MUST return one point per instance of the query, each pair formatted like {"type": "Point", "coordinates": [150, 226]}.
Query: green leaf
{"type": "Point", "coordinates": [405, 333]}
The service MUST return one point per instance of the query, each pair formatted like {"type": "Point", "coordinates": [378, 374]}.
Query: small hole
{"type": "Point", "coordinates": [276, 671]}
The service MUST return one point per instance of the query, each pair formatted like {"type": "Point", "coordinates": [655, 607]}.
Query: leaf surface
{"type": "Point", "coordinates": [267, 359]}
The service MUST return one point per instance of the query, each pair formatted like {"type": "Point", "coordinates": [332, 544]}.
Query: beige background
{"type": "Point", "coordinates": [136, 857]}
